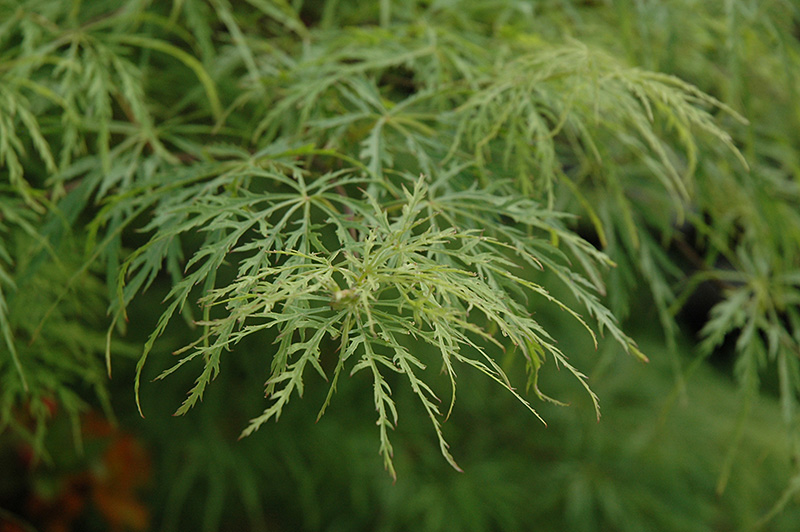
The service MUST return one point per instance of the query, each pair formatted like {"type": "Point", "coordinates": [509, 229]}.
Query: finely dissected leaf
{"type": "Point", "coordinates": [392, 275]}
{"type": "Point", "coordinates": [527, 104]}
{"type": "Point", "coordinates": [185, 58]}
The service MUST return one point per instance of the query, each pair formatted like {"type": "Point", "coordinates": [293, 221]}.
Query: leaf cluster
{"type": "Point", "coordinates": [379, 191]}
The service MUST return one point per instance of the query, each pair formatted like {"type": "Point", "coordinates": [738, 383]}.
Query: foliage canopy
{"type": "Point", "coordinates": [391, 190]}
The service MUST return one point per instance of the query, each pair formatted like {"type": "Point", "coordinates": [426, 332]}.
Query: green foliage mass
{"type": "Point", "coordinates": [389, 196]}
